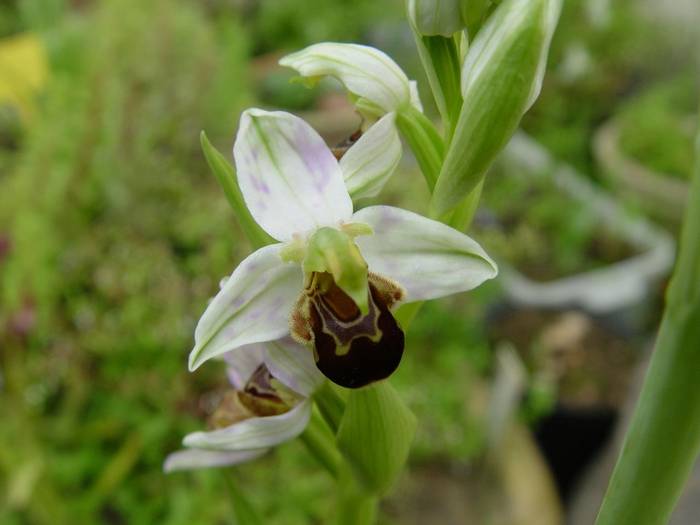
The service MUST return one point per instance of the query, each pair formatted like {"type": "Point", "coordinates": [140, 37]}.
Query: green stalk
{"type": "Point", "coordinates": [425, 142]}
{"type": "Point", "coordinates": [320, 442]}
{"type": "Point", "coordinates": [462, 217]}
{"type": "Point", "coordinates": [663, 440]}
{"type": "Point", "coordinates": [224, 173]}
{"type": "Point", "coordinates": [243, 512]}
{"type": "Point", "coordinates": [330, 404]}
{"type": "Point", "coordinates": [354, 505]}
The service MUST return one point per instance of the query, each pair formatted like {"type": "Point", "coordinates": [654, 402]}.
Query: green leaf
{"type": "Point", "coordinates": [225, 174]}
{"type": "Point", "coordinates": [663, 440]}
{"type": "Point", "coordinates": [354, 505]}
{"type": "Point", "coordinates": [375, 435]}
{"type": "Point", "coordinates": [501, 77]}
{"type": "Point", "coordinates": [320, 442]}
{"type": "Point", "coordinates": [330, 404]}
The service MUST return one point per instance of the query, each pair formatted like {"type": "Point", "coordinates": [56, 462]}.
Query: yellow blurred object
{"type": "Point", "coordinates": [23, 72]}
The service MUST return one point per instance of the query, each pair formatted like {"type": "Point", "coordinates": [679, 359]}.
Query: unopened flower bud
{"type": "Point", "coordinates": [436, 17]}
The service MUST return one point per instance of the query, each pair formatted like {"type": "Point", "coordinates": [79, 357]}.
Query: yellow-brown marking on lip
{"type": "Point", "coordinates": [351, 349]}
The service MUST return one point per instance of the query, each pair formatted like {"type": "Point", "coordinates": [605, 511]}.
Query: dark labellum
{"type": "Point", "coordinates": [342, 147]}
{"type": "Point", "coordinates": [351, 349]}
{"type": "Point", "coordinates": [260, 397]}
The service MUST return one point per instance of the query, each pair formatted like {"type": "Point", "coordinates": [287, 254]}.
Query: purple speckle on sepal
{"type": "Point", "coordinates": [259, 185]}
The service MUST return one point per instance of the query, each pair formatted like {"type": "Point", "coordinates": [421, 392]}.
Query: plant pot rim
{"type": "Point", "coordinates": [658, 193]}
{"type": "Point", "coordinates": [602, 290]}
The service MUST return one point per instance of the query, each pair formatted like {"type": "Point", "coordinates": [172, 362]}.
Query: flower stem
{"type": "Point", "coordinates": [354, 505]}
{"type": "Point", "coordinates": [462, 217]}
{"type": "Point", "coordinates": [319, 440]}
{"type": "Point", "coordinates": [330, 404]}
{"type": "Point", "coordinates": [425, 142]}
{"type": "Point", "coordinates": [243, 512]}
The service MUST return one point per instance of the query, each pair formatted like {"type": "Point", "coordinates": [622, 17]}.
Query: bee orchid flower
{"type": "Point", "coordinates": [268, 405]}
{"type": "Point", "coordinates": [334, 276]}
{"type": "Point", "coordinates": [380, 90]}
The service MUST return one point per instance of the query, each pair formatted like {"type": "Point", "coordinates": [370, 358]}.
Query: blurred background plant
{"type": "Point", "coordinates": [111, 230]}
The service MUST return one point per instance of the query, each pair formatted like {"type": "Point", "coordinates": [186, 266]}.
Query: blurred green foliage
{"type": "Point", "coordinates": [599, 57]}
{"type": "Point", "coordinates": [537, 227]}
{"type": "Point", "coordinates": [116, 235]}
{"type": "Point", "coordinates": [291, 24]}
{"type": "Point", "coordinates": [9, 18]}
{"type": "Point", "coordinates": [113, 235]}
{"type": "Point", "coordinates": [657, 126]}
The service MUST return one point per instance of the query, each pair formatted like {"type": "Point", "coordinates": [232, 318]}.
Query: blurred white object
{"type": "Point", "coordinates": [601, 291]}
{"type": "Point", "coordinates": [598, 12]}
{"type": "Point", "coordinates": [509, 383]}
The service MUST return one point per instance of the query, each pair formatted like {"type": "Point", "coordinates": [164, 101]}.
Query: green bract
{"type": "Point", "coordinates": [375, 435]}
{"type": "Point", "coordinates": [501, 78]}
{"type": "Point", "coordinates": [224, 173]}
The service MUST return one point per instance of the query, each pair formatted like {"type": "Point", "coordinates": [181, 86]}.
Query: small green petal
{"type": "Point", "coordinates": [355, 229]}
{"type": "Point", "coordinates": [333, 251]}
{"type": "Point", "coordinates": [375, 435]}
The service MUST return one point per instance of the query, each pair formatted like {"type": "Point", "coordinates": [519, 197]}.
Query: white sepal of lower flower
{"type": "Point", "coordinates": [380, 90]}
{"type": "Point", "coordinates": [293, 187]}
{"type": "Point", "coordinates": [291, 368]}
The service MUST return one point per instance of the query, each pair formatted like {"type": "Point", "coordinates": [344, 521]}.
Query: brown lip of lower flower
{"type": "Point", "coordinates": [261, 396]}
{"type": "Point", "coordinates": [351, 349]}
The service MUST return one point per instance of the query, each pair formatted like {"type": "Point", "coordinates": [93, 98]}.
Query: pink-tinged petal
{"type": "Point", "coordinates": [293, 365]}
{"type": "Point", "coordinates": [426, 257]}
{"type": "Point", "coordinates": [290, 180]}
{"type": "Point", "coordinates": [252, 307]}
{"type": "Point", "coordinates": [255, 433]}
{"type": "Point", "coordinates": [196, 458]}
{"type": "Point", "coordinates": [242, 362]}
{"type": "Point", "coordinates": [369, 163]}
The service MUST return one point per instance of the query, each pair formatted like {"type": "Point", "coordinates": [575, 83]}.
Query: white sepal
{"type": "Point", "coordinates": [364, 71]}
{"type": "Point", "coordinates": [428, 258]}
{"type": "Point", "coordinates": [252, 307]}
{"type": "Point", "coordinates": [196, 458]}
{"type": "Point", "coordinates": [293, 365]}
{"type": "Point", "coordinates": [254, 433]}
{"type": "Point", "coordinates": [242, 362]}
{"type": "Point", "coordinates": [290, 180]}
